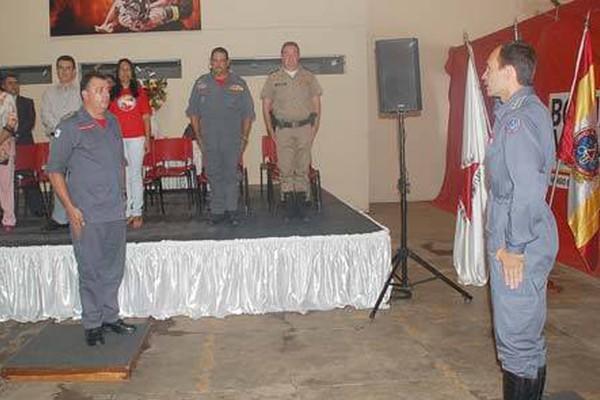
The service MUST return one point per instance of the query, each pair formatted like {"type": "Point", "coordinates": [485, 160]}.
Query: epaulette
{"type": "Point", "coordinates": [519, 102]}
{"type": "Point", "coordinates": [68, 116]}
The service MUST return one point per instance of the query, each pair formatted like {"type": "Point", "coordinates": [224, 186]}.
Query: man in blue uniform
{"type": "Point", "coordinates": [522, 238]}
{"type": "Point", "coordinates": [221, 112]}
{"type": "Point", "coordinates": [87, 145]}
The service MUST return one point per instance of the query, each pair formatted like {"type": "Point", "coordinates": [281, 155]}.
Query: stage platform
{"type": "Point", "coordinates": [178, 264]}
{"type": "Point", "coordinates": [59, 353]}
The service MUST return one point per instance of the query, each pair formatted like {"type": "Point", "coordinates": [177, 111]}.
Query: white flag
{"type": "Point", "coordinates": [469, 244]}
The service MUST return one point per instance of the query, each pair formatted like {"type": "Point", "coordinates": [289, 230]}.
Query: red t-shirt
{"type": "Point", "coordinates": [129, 111]}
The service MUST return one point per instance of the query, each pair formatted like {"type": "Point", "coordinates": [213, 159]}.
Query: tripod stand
{"type": "Point", "coordinates": [402, 285]}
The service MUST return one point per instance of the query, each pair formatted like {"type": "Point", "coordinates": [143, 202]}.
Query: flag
{"type": "Point", "coordinates": [578, 149]}
{"type": "Point", "coordinates": [469, 248]}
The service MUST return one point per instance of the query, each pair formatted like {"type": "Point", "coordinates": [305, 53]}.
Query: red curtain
{"type": "Point", "coordinates": [555, 36]}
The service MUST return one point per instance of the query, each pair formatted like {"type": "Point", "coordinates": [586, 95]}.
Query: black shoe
{"type": "Point", "coordinates": [94, 336]}
{"type": "Point", "coordinates": [519, 388]}
{"type": "Point", "coordinates": [216, 219]}
{"type": "Point", "coordinates": [119, 327]}
{"type": "Point", "coordinates": [52, 225]}
{"type": "Point", "coordinates": [232, 218]}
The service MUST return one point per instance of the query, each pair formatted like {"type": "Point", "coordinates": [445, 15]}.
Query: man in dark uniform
{"type": "Point", "coordinates": [26, 116]}
{"type": "Point", "coordinates": [221, 112]}
{"type": "Point", "coordinates": [87, 145]}
{"type": "Point", "coordinates": [522, 238]}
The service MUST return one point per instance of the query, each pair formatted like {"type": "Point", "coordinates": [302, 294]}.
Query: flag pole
{"type": "Point", "coordinates": [573, 84]}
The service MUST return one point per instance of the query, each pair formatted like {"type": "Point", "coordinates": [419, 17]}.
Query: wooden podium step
{"type": "Point", "coordinates": [59, 353]}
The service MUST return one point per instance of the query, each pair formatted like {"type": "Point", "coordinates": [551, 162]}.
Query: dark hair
{"type": "Point", "coordinates": [521, 56]}
{"type": "Point", "coordinates": [85, 81]}
{"type": "Point", "coordinates": [4, 77]}
{"type": "Point", "coordinates": [133, 85]}
{"type": "Point", "coordinates": [65, 58]}
{"type": "Point", "coordinates": [221, 50]}
{"type": "Point", "coordinates": [290, 44]}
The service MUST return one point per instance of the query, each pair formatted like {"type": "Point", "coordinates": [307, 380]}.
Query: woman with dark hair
{"type": "Point", "coordinates": [129, 103]}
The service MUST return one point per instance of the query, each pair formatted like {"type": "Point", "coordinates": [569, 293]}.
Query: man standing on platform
{"type": "Point", "coordinates": [221, 112]}
{"type": "Point", "coordinates": [24, 136]}
{"type": "Point", "coordinates": [522, 238]}
{"type": "Point", "coordinates": [60, 100]}
{"type": "Point", "coordinates": [88, 146]}
{"type": "Point", "coordinates": [291, 106]}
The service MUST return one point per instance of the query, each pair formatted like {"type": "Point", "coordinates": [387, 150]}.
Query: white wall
{"type": "Point", "coordinates": [438, 25]}
{"type": "Point", "coordinates": [247, 29]}
{"type": "Point", "coordinates": [355, 150]}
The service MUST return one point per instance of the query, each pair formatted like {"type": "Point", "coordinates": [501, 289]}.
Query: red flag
{"type": "Point", "coordinates": [578, 149]}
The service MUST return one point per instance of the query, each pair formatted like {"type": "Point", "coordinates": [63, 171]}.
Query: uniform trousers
{"type": "Point", "coordinates": [293, 157]}
{"type": "Point", "coordinates": [221, 165]}
{"type": "Point", "coordinates": [520, 314]}
{"type": "Point", "coordinates": [100, 256]}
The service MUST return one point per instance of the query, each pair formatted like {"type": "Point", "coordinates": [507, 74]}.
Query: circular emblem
{"type": "Point", "coordinates": [126, 102]}
{"type": "Point", "coordinates": [586, 152]}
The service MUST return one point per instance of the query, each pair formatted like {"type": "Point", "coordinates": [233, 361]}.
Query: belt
{"type": "Point", "coordinates": [295, 124]}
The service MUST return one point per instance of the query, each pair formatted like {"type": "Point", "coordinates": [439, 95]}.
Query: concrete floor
{"type": "Point", "coordinates": [433, 346]}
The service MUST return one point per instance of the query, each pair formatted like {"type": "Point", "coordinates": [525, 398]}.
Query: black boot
{"type": "Point", "coordinates": [301, 209]}
{"type": "Point", "coordinates": [289, 206]}
{"type": "Point", "coordinates": [541, 382]}
{"type": "Point", "coordinates": [519, 388]}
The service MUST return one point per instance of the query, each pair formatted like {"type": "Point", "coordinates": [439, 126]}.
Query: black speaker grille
{"type": "Point", "coordinates": [398, 76]}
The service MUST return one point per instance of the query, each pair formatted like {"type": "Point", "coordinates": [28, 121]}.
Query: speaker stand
{"type": "Point", "coordinates": [402, 288]}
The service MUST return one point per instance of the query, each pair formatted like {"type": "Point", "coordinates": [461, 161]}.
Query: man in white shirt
{"type": "Point", "coordinates": [58, 101]}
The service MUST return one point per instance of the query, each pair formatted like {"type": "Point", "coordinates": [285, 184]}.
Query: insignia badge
{"type": "Point", "coordinates": [236, 88]}
{"type": "Point", "coordinates": [513, 125]}
{"type": "Point", "coordinates": [586, 153]}
{"type": "Point", "coordinates": [86, 127]}
{"type": "Point", "coordinates": [57, 133]}
{"type": "Point", "coordinates": [202, 86]}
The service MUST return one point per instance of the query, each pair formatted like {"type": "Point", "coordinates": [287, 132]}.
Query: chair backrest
{"type": "Point", "coordinates": [269, 150]}
{"type": "Point", "coordinates": [173, 149]}
{"type": "Point", "coordinates": [42, 151]}
{"type": "Point", "coordinates": [26, 157]}
{"type": "Point", "coordinates": [148, 161]}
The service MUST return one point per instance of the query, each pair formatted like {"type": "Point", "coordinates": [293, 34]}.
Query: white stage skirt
{"type": "Point", "coordinates": [206, 278]}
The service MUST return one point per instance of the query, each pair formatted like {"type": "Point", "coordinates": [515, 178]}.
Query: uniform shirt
{"type": "Point", "coordinates": [93, 158]}
{"type": "Point", "coordinates": [129, 111]}
{"type": "Point", "coordinates": [518, 164]}
{"type": "Point", "coordinates": [221, 109]}
{"type": "Point", "coordinates": [58, 101]}
{"type": "Point", "coordinates": [292, 97]}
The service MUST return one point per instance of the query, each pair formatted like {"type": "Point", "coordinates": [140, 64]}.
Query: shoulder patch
{"type": "Point", "coordinates": [236, 88]}
{"type": "Point", "coordinates": [513, 125]}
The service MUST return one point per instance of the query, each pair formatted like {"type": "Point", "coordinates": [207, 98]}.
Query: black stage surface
{"type": "Point", "coordinates": [183, 223]}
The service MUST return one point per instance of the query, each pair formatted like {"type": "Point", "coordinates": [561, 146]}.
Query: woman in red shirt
{"type": "Point", "coordinates": [129, 103]}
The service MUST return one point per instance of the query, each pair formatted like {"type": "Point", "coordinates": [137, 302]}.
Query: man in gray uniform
{"type": "Point", "coordinates": [522, 238]}
{"type": "Point", "coordinates": [221, 112]}
{"type": "Point", "coordinates": [88, 146]}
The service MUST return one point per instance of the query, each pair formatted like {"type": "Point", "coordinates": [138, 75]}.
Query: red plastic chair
{"type": "Point", "coordinates": [178, 150]}
{"type": "Point", "coordinates": [25, 160]}
{"type": "Point", "coordinates": [42, 151]}
{"type": "Point", "coordinates": [152, 182]}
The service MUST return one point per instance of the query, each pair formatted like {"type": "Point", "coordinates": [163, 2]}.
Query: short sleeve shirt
{"type": "Point", "coordinates": [221, 109]}
{"type": "Point", "coordinates": [93, 158]}
{"type": "Point", "coordinates": [130, 110]}
{"type": "Point", "coordinates": [291, 97]}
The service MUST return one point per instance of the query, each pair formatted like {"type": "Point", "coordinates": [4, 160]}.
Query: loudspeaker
{"type": "Point", "coordinates": [398, 76]}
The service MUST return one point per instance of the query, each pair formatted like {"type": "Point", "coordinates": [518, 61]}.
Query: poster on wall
{"type": "Point", "coordinates": [101, 17]}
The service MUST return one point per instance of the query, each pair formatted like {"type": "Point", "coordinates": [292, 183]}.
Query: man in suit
{"type": "Point", "coordinates": [26, 116]}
